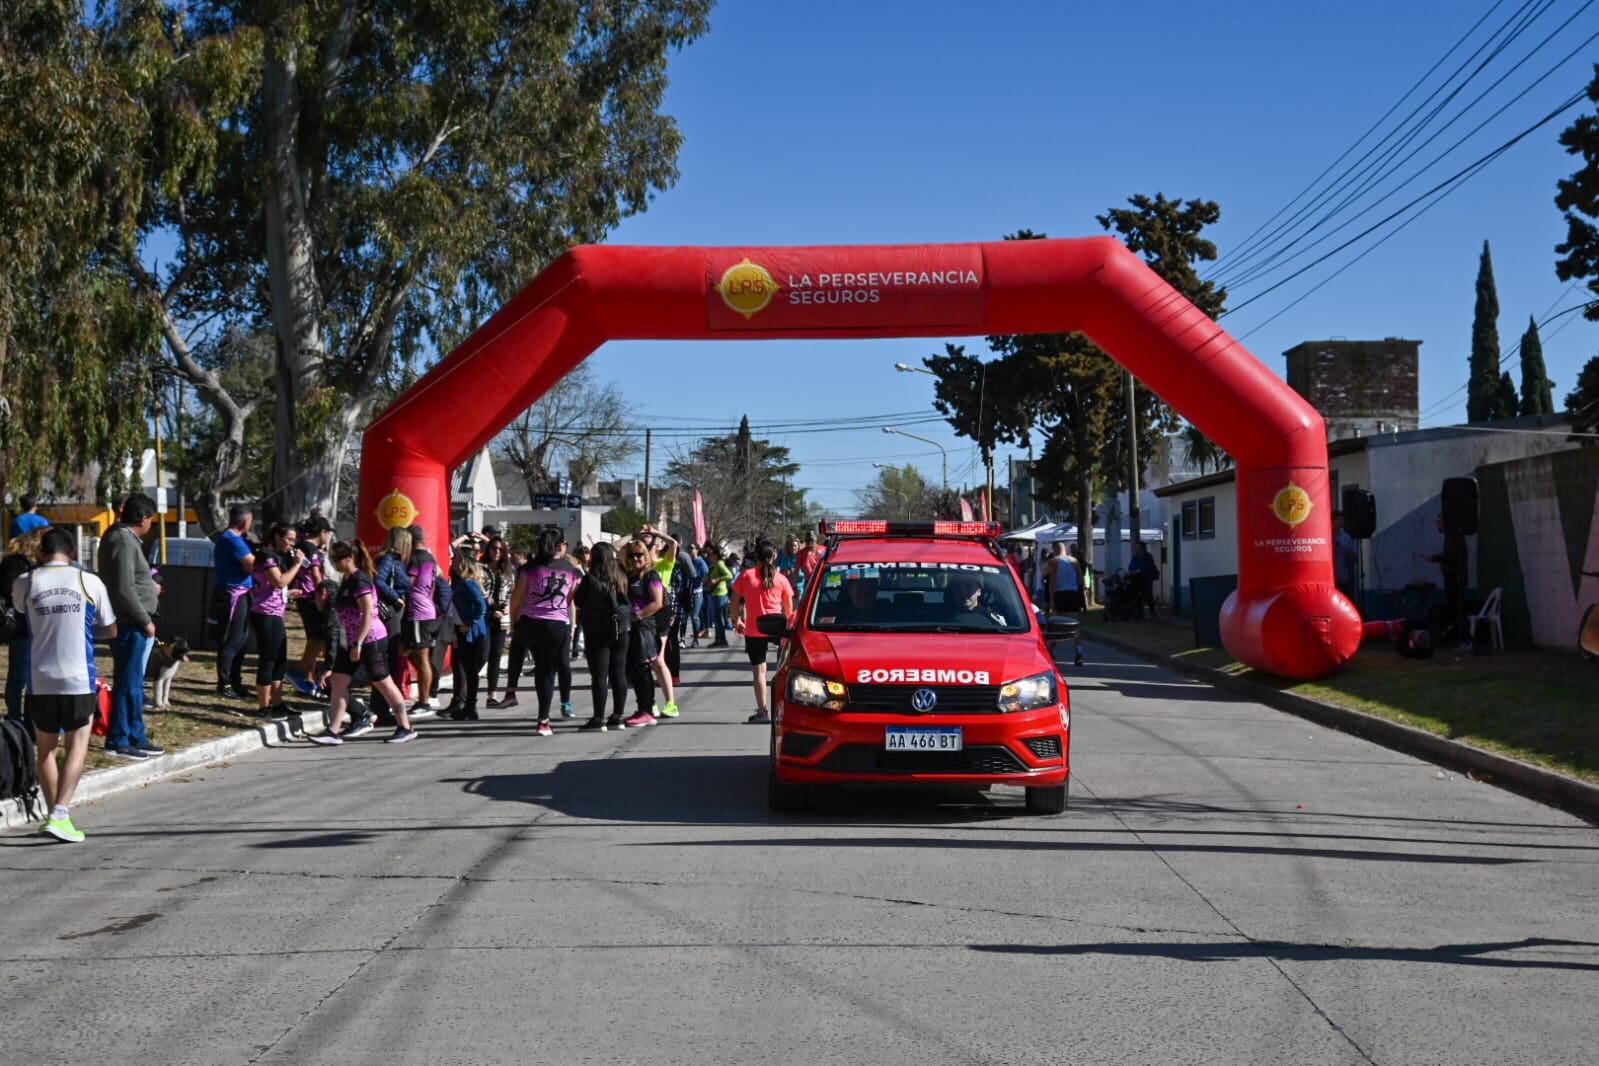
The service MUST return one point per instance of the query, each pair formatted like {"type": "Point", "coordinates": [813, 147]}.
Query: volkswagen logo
{"type": "Point", "coordinates": [923, 700]}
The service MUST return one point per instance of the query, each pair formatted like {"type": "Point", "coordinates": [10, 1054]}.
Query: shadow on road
{"type": "Point", "coordinates": [711, 790]}
{"type": "Point", "coordinates": [1445, 954]}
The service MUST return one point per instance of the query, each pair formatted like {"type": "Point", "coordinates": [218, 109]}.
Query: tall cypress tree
{"type": "Point", "coordinates": [1537, 391]}
{"type": "Point", "coordinates": [1482, 389]}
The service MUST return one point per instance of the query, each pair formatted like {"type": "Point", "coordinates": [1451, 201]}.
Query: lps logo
{"type": "Point", "coordinates": [747, 288]}
{"type": "Point", "coordinates": [923, 700]}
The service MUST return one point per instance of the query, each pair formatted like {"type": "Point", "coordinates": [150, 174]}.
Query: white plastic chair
{"type": "Point", "coordinates": [1489, 614]}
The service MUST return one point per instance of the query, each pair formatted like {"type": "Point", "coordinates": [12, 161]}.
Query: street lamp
{"type": "Point", "coordinates": [906, 368]}
{"type": "Point", "coordinates": [942, 451]}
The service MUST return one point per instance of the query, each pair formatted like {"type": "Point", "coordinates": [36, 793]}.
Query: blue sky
{"type": "Point", "coordinates": [897, 121]}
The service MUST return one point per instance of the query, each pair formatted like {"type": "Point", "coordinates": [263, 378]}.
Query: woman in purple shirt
{"type": "Point", "coordinates": [315, 533]}
{"type": "Point", "coordinates": [356, 605]}
{"type": "Point", "coordinates": [277, 565]}
{"type": "Point", "coordinates": [541, 603]}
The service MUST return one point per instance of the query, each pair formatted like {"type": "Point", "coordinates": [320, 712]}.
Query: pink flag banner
{"type": "Point", "coordinates": [699, 518]}
{"type": "Point", "coordinates": [983, 495]}
{"type": "Point", "coordinates": [966, 510]}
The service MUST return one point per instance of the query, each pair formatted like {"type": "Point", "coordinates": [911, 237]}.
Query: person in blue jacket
{"type": "Point", "coordinates": [471, 610]}
{"type": "Point", "coordinates": [394, 585]}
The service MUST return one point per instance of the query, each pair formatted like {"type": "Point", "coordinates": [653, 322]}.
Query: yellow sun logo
{"type": "Point", "coordinates": [747, 288]}
{"type": "Point", "coordinates": [1292, 505]}
{"type": "Point", "coordinates": [396, 509]}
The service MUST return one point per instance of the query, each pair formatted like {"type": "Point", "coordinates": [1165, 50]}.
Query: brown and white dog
{"type": "Point", "coordinates": [163, 667]}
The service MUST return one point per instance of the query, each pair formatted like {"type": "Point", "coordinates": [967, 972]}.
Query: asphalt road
{"type": "Point", "coordinates": [1230, 885]}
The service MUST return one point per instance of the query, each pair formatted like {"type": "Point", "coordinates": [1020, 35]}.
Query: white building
{"type": "Point", "coordinates": [1404, 472]}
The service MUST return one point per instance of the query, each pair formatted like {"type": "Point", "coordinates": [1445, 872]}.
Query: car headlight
{"type": "Point", "coordinates": [808, 690]}
{"type": "Point", "coordinates": [1028, 693]}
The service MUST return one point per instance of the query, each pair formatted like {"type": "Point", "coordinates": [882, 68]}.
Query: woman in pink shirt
{"type": "Point", "coordinates": [760, 590]}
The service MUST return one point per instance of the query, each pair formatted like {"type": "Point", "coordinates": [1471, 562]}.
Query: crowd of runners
{"type": "Point", "coordinates": [381, 628]}
{"type": "Point", "coordinates": [394, 620]}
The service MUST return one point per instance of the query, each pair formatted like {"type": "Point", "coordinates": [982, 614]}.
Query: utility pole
{"type": "Point", "coordinates": [988, 501]}
{"type": "Point", "coordinates": [1134, 537]}
{"type": "Point", "coordinates": [647, 435]}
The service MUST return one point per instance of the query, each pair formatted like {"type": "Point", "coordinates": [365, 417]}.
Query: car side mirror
{"type": "Point", "coordinates": [774, 626]}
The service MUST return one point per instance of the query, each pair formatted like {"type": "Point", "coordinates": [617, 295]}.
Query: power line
{"type": "Point", "coordinates": [1269, 264]}
{"type": "Point", "coordinates": [1456, 179]}
{"type": "Point", "coordinates": [1237, 259]}
{"type": "Point", "coordinates": [1249, 241]}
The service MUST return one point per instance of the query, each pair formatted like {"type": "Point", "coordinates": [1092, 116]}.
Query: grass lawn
{"type": "Point", "coordinates": [1538, 706]}
{"type": "Point", "coordinates": [196, 714]}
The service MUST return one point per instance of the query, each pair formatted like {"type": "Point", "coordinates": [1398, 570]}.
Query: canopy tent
{"type": "Point", "coordinates": [1051, 532]}
{"type": "Point", "coordinates": [1029, 532]}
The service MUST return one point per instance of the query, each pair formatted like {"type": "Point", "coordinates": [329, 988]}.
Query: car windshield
{"type": "Point", "coordinates": [919, 598]}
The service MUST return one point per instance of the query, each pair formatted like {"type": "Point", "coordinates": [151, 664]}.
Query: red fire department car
{"type": "Point", "coordinates": [914, 655]}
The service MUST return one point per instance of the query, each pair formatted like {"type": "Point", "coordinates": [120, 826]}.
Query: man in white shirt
{"type": "Point", "coordinates": [67, 608]}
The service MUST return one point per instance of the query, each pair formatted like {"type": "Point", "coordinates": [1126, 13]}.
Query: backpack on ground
{"type": "Point", "coordinates": [19, 774]}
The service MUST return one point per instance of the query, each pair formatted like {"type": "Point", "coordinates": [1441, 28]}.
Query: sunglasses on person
{"type": "Point", "coordinates": [636, 555]}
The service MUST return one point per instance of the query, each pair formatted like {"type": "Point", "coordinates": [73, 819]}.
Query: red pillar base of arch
{"type": "Point", "coordinates": [1286, 617]}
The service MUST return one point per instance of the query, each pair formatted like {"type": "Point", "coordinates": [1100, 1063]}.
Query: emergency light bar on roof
{"type": "Point", "coordinates": [882, 527]}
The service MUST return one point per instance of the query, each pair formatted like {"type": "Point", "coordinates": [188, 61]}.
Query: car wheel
{"type": "Point", "coordinates": [784, 797]}
{"type": "Point", "coordinates": [1046, 800]}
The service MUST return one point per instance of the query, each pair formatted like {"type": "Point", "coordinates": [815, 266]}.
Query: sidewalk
{"type": "Point", "coordinates": [1484, 714]}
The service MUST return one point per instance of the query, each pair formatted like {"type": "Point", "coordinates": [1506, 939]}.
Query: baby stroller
{"type": "Point", "coordinates": [1121, 598]}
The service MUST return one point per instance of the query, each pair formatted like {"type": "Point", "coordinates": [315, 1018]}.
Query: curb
{"type": "Point", "coordinates": [101, 783]}
{"type": "Point", "coordinates": [1570, 794]}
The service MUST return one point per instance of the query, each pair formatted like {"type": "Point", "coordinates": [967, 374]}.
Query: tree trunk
{"type": "Point", "coordinates": [228, 470]}
{"type": "Point", "coordinates": [299, 481]}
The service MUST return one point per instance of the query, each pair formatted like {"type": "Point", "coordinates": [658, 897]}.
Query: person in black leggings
{"type": "Point", "coordinates": [646, 599]}
{"type": "Point", "coordinates": [605, 617]}
{"type": "Point", "coordinates": [542, 605]}
{"type": "Point", "coordinates": [498, 577]}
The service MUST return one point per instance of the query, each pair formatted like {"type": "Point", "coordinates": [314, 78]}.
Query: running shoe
{"type": "Point", "coordinates": [593, 725]}
{"type": "Point", "coordinates": [640, 720]}
{"type": "Point", "coordinates": [676, 680]}
{"type": "Point", "coordinates": [277, 712]}
{"type": "Point", "coordinates": [328, 739]}
{"type": "Point", "coordinates": [544, 729]}
{"type": "Point", "coordinates": [400, 736]}
{"type": "Point", "coordinates": [670, 710]}
{"type": "Point", "coordinates": [422, 710]}
{"type": "Point", "coordinates": [361, 726]}
{"type": "Point", "coordinates": [566, 709]}
{"type": "Point", "coordinates": [503, 701]}
{"type": "Point", "coordinates": [239, 692]}
{"type": "Point", "coordinates": [655, 712]}
{"type": "Point", "coordinates": [149, 749]}
{"type": "Point", "coordinates": [63, 830]}
{"type": "Point", "coordinates": [126, 752]}
{"type": "Point", "coordinates": [301, 683]}
{"type": "Point", "coordinates": [759, 718]}
{"type": "Point", "coordinates": [462, 714]}
{"type": "Point", "coordinates": [615, 722]}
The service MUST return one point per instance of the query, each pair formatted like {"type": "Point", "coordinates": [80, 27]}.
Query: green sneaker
{"type": "Point", "coordinates": [670, 710]}
{"type": "Point", "coordinates": [63, 829]}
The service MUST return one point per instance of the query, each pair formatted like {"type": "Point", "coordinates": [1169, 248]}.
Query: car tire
{"type": "Point", "coordinates": [1049, 800]}
{"type": "Point", "coordinates": [784, 797]}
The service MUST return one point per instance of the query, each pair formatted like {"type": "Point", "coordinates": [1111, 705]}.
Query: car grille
{"type": "Point", "coordinates": [871, 759]}
{"type": "Point", "coordinates": [1044, 747]}
{"type": "Point", "coordinates": [896, 699]}
{"type": "Point", "coordinates": [802, 745]}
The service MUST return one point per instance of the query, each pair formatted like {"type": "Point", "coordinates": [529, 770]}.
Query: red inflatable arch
{"type": "Point", "coordinates": [1286, 617]}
